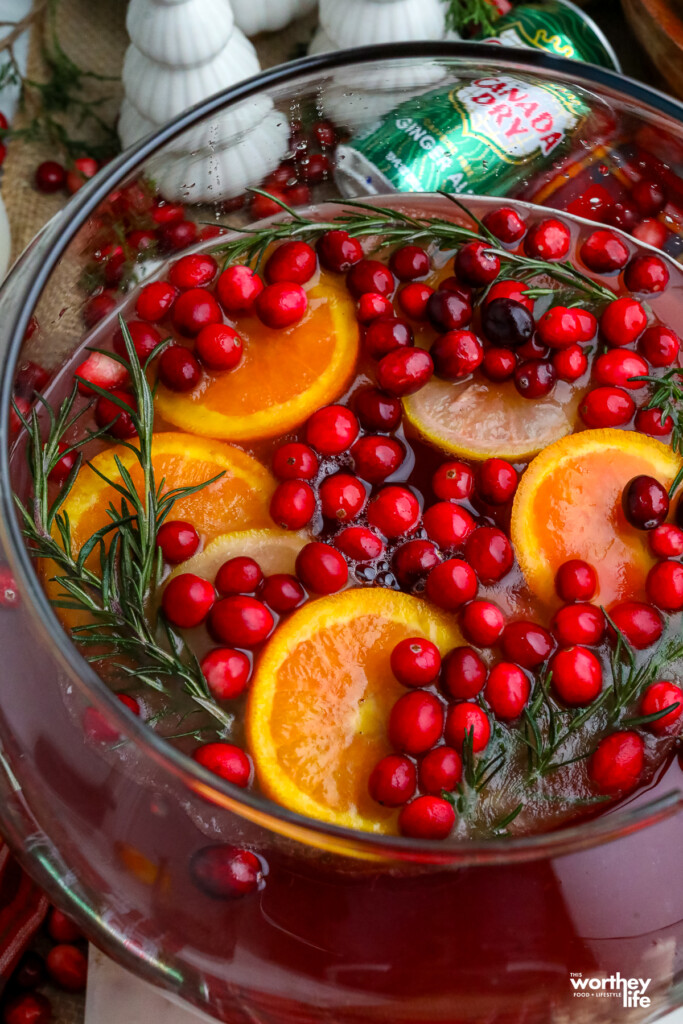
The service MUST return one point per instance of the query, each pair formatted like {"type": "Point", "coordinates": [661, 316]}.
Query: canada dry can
{"type": "Point", "coordinates": [556, 26]}
{"type": "Point", "coordinates": [486, 136]}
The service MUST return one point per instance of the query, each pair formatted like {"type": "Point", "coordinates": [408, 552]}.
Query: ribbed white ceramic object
{"type": "Point", "coordinates": [180, 35]}
{"type": "Point", "coordinates": [362, 22]}
{"type": "Point", "coordinates": [217, 131]}
{"type": "Point", "coordinates": [407, 76]}
{"type": "Point", "coordinates": [254, 16]}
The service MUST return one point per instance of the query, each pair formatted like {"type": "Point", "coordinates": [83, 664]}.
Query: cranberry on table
{"type": "Point", "coordinates": [109, 414]}
{"type": "Point", "coordinates": [225, 872]}
{"type": "Point", "coordinates": [177, 540]}
{"type": "Point", "coordinates": [440, 769]}
{"type": "Point", "coordinates": [332, 430]}
{"type": "Point", "coordinates": [607, 407]}
{"type": "Point", "coordinates": [618, 762]}
{"type": "Point", "coordinates": [506, 224]}
{"type": "Point", "coordinates": [447, 524]}
{"type": "Point", "coordinates": [62, 928]}
{"type": "Point", "coordinates": [645, 502]}
{"type": "Point", "coordinates": [67, 965]}
{"type": "Point", "coordinates": [371, 306]}
{"type": "Point", "coordinates": [240, 575]}
{"type": "Point", "coordinates": [409, 262]}
{"type": "Point", "coordinates": [660, 346]}
{"type": "Point", "coordinates": [240, 621]}
{"type": "Point", "coordinates": [456, 354]}
{"type": "Point", "coordinates": [50, 176]}
{"type": "Point", "coordinates": [535, 378]}
{"type": "Point", "coordinates": [497, 481]}
{"type": "Point", "coordinates": [649, 197]}
{"type": "Point", "coordinates": [281, 304]}
{"type": "Point", "coordinates": [415, 661]}
{"type": "Point", "coordinates": [623, 321]}
{"type": "Point", "coordinates": [179, 370]}
{"type": "Point", "coordinates": [656, 699]}
{"type": "Point", "coordinates": [576, 580]}
{"type": "Point", "coordinates": [226, 672]}
{"type": "Point", "coordinates": [291, 261]}
{"type": "Point", "coordinates": [238, 288]}
{"type": "Point", "coordinates": [482, 623]}
{"type": "Point", "coordinates": [618, 366]}
{"type": "Point", "coordinates": [653, 422]}
{"type": "Point", "coordinates": [187, 600]}
{"type": "Point", "coordinates": [666, 541]}
{"type": "Point", "coordinates": [413, 559]}
{"type": "Point", "coordinates": [219, 347]}
{"type": "Point", "coordinates": [604, 252]}
{"type": "Point", "coordinates": [476, 265]}
{"type": "Point", "coordinates": [377, 457]}
{"type": "Point", "coordinates": [339, 252]}
{"type": "Point", "coordinates": [386, 333]}
{"type": "Point", "coordinates": [359, 543]}
{"type": "Point", "coordinates": [526, 643]}
{"type": "Point", "coordinates": [508, 289]}
{"type": "Point", "coordinates": [292, 505]}
{"type": "Point", "coordinates": [370, 276]}
{"type": "Point", "coordinates": [413, 300]}
{"type": "Point", "coordinates": [570, 363]}
{"type": "Point", "coordinates": [548, 240]}
{"type": "Point", "coordinates": [28, 1008]}
{"type": "Point", "coordinates": [489, 552]}
{"type": "Point", "coordinates": [665, 586]}
{"type": "Point", "coordinates": [467, 721]}
{"type": "Point", "coordinates": [640, 623]}
{"type": "Point", "coordinates": [193, 271]}
{"type": "Point", "coordinates": [506, 322]}
{"type": "Point", "coordinates": [342, 497]}
{"type": "Point", "coordinates": [322, 569]}
{"type": "Point", "coordinates": [295, 461]}
{"type": "Point", "coordinates": [393, 781]}
{"type": "Point", "coordinates": [155, 300]}
{"type": "Point", "coordinates": [377, 410]}
{"type": "Point", "coordinates": [463, 673]}
{"type": "Point", "coordinates": [646, 274]}
{"type": "Point", "coordinates": [576, 675]}
{"type": "Point", "coordinates": [507, 691]}
{"type": "Point", "coordinates": [453, 481]}
{"type": "Point", "coordinates": [427, 817]}
{"type": "Point", "coordinates": [451, 584]}
{"type": "Point", "coordinates": [498, 363]}
{"type": "Point", "coordinates": [195, 309]}
{"type": "Point", "coordinates": [448, 311]}
{"type": "Point", "coordinates": [415, 722]}
{"type": "Point", "coordinates": [226, 760]}
{"type": "Point", "coordinates": [394, 511]}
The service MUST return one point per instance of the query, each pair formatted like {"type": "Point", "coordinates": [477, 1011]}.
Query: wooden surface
{"type": "Point", "coordinates": [658, 26]}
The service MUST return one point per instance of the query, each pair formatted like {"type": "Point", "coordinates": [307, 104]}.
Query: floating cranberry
{"type": "Point", "coordinates": [178, 369]}
{"type": "Point", "coordinates": [489, 552]}
{"type": "Point", "coordinates": [588, 323]}
{"type": "Point", "coordinates": [240, 575]}
{"type": "Point", "coordinates": [515, 290]}
{"type": "Point", "coordinates": [370, 276]}
{"type": "Point", "coordinates": [21, 406]}
{"type": "Point", "coordinates": [315, 168]}
{"type": "Point", "coordinates": [660, 346]}
{"type": "Point", "coordinates": [579, 624]}
{"type": "Point", "coordinates": [535, 378]}
{"type": "Point", "coordinates": [413, 300]}
{"type": "Point", "coordinates": [576, 676]}
{"type": "Point", "coordinates": [440, 769]}
{"type": "Point", "coordinates": [618, 762]}
{"type": "Point", "coordinates": [415, 722]}
{"type": "Point", "coordinates": [61, 928]}
{"type": "Point", "coordinates": [666, 541]}
{"type": "Point", "coordinates": [415, 661]}
{"type": "Point", "coordinates": [59, 474]}
{"type": "Point", "coordinates": [506, 322]}
{"type": "Point", "coordinates": [177, 540]}
{"type": "Point", "coordinates": [499, 363]}
{"type": "Point", "coordinates": [657, 698]}
{"type": "Point", "coordinates": [646, 274]}
{"type": "Point", "coordinates": [427, 817]}
{"type": "Point", "coordinates": [393, 781]}
{"type": "Point", "coordinates": [240, 621]}
{"type": "Point", "coordinates": [665, 586]}
{"type": "Point", "coordinates": [453, 480]}
{"type": "Point", "coordinates": [448, 311]}
{"type": "Point", "coordinates": [97, 308]}
{"type": "Point", "coordinates": [497, 481]}
{"type": "Point", "coordinates": [225, 872]}
{"type": "Point", "coordinates": [67, 965]}
{"type": "Point", "coordinates": [456, 354]}
{"type": "Point", "coordinates": [226, 760]}
{"type": "Point", "coordinates": [50, 176]}
{"type": "Point", "coordinates": [451, 584]}
{"type": "Point", "coordinates": [653, 422]}
{"type": "Point", "coordinates": [532, 349]}
{"type": "Point", "coordinates": [174, 237]}
{"type": "Point", "coordinates": [548, 240]}
{"type": "Point", "coordinates": [339, 252]}
{"type": "Point", "coordinates": [321, 569]}
{"type": "Point", "coordinates": [359, 543]}
{"type": "Point", "coordinates": [195, 309]}
{"type": "Point", "coordinates": [649, 197]}
{"type": "Point", "coordinates": [506, 224]}
{"type": "Point", "coordinates": [570, 363]}
{"type": "Point", "coordinates": [409, 262]}
{"type": "Point", "coordinates": [476, 265]}
{"type": "Point", "coordinates": [226, 672]}
{"type": "Point", "coordinates": [281, 304]}
{"type": "Point", "coordinates": [168, 213]}
{"type": "Point", "coordinates": [238, 288]}
{"type": "Point", "coordinates": [623, 215]}
{"type": "Point", "coordinates": [526, 643]}
{"type": "Point", "coordinates": [102, 371]}
{"type": "Point", "coordinates": [142, 239]}
{"type": "Point", "coordinates": [447, 524]}
{"type": "Point", "coordinates": [342, 496]}
{"type": "Point", "coordinates": [559, 327]}
{"type": "Point", "coordinates": [193, 271]}
{"type": "Point", "coordinates": [645, 502]}
{"type": "Point", "coordinates": [145, 339]}
{"type": "Point", "coordinates": [456, 287]}
{"type": "Point", "coordinates": [467, 721]}
{"type": "Point", "coordinates": [617, 367]}
{"type": "Point", "coordinates": [219, 347]}
{"type": "Point", "coordinates": [282, 592]}
{"type": "Point", "coordinates": [377, 410]}
{"type": "Point", "coordinates": [463, 673]}
{"type": "Point", "coordinates": [576, 580]}
{"type": "Point", "coordinates": [292, 505]}
{"type": "Point", "coordinates": [332, 429]}
{"type": "Point", "coordinates": [110, 415]}
{"type": "Point", "coordinates": [187, 600]}
{"type": "Point", "coordinates": [640, 623]}
{"type": "Point", "coordinates": [482, 623]}
{"type": "Point", "coordinates": [371, 306]}
{"type": "Point", "coordinates": [291, 262]}
{"type": "Point", "coordinates": [324, 133]}
{"type": "Point", "coordinates": [623, 321]}
{"type": "Point", "coordinates": [413, 560]}
{"type": "Point", "coordinates": [155, 300]}
{"type": "Point", "coordinates": [507, 691]}
{"type": "Point", "coordinates": [607, 407]}
{"type": "Point", "coordinates": [604, 252]}
{"type": "Point", "coordinates": [394, 511]}
{"type": "Point", "coordinates": [385, 334]}
{"type": "Point", "coordinates": [376, 457]}
{"type": "Point", "coordinates": [295, 461]}
{"type": "Point", "coordinates": [28, 1008]}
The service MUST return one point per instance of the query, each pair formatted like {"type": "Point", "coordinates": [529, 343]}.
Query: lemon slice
{"type": "Point", "coordinates": [274, 550]}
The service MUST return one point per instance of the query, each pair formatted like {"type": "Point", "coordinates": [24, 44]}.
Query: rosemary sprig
{"type": "Point", "coordinates": [116, 594]}
{"type": "Point", "coordinates": [667, 395]}
{"type": "Point", "coordinates": [466, 16]}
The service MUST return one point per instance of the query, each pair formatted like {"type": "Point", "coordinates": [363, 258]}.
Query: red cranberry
{"type": "Point", "coordinates": [315, 168]}
{"type": "Point", "coordinates": [97, 308]}
{"type": "Point", "coordinates": [240, 621]}
{"type": "Point", "coordinates": [482, 624]}
{"type": "Point", "coordinates": [622, 215]}
{"type": "Point", "coordinates": [447, 524]}
{"type": "Point", "coordinates": [28, 1008]}
{"type": "Point", "coordinates": [649, 197]}
{"type": "Point", "coordinates": [577, 676]}
{"type": "Point", "coordinates": [548, 240]}
{"type": "Point", "coordinates": [393, 781]}
{"type": "Point", "coordinates": [226, 672]}
{"type": "Point", "coordinates": [141, 240]}
{"type": "Point", "coordinates": [453, 480]}
{"type": "Point", "coordinates": [576, 580]}
{"type": "Point", "coordinates": [378, 411]}
{"type": "Point", "coordinates": [168, 213]}
{"type": "Point", "coordinates": [295, 461]}
{"type": "Point", "coordinates": [646, 274]}
{"type": "Point", "coordinates": [101, 370]}
{"type": "Point", "coordinates": [409, 262]}
{"type": "Point", "coordinates": [579, 624]}
{"type": "Point", "coordinates": [225, 872]}
{"type": "Point", "coordinates": [660, 346]}
{"type": "Point", "coordinates": [281, 304]}
{"type": "Point", "coordinates": [665, 586]}
{"type": "Point", "coordinates": [187, 600]}
{"type": "Point", "coordinates": [59, 474]}
{"type": "Point", "coordinates": [618, 762]}
{"type": "Point", "coordinates": [506, 224]}
{"type": "Point", "coordinates": [292, 505]}
{"type": "Point", "coordinates": [476, 265]}
{"type": "Point", "coordinates": [570, 363]}
{"type": "Point", "coordinates": [84, 167]}
{"type": "Point", "coordinates": [179, 370]}
{"type": "Point", "coordinates": [448, 311]}
{"type": "Point", "coordinates": [465, 721]}
{"type": "Point", "coordinates": [507, 691]}
{"type": "Point", "coordinates": [497, 481]}
{"type": "Point", "coordinates": [238, 288]}
{"type": "Point", "coordinates": [240, 575]}
{"type": "Point", "coordinates": [666, 541]}
{"type": "Point", "coordinates": [604, 252]}
{"type": "Point", "coordinates": [499, 363]}
{"type": "Point", "coordinates": [413, 300]}
{"type": "Point", "coordinates": [645, 502]}
{"type": "Point", "coordinates": [456, 354]}
{"type": "Point", "coordinates": [321, 569]}
{"type": "Point", "coordinates": [607, 407]}
{"type": "Point", "coordinates": [559, 327]}
{"type": "Point", "coordinates": [415, 661]}
{"type": "Point", "coordinates": [155, 301]}
{"type": "Point", "coordinates": [515, 290]}
{"type": "Point", "coordinates": [415, 722]}
{"type": "Point", "coordinates": [291, 262]}
{"type": "Point", "coordinates": [440, 769]}
{"type": "Point", "coordinates": [373, 307]}
{"type": "Point", "coordinates": [62, 928]}
{"type": "Point", "coordinates": [376, 457]}
{"type": "Point", "coordinates": [226, 760]}
{"type": "Point", "coordinates": [623, 321]}
{"type": "Point", "coordinates": [177, 540]}
{"type": "Point", "coordinates": [145, 339]}
{"type": "Point", "coordinates": [339, 252]}
{"type": "Point", "coordinates": [195, 309]}
{"type": "Point", "coordinates": [50, 176]}
{"type": "Point", "coordinates": [30, 971]}
{"type": "Point", "coordinates": [394, 511]}
{"type": "Point", "coordinates": [618, 366]}
{"type": "Point", "coordinates": [109, 414]}
{"type": "Point", "coordinates": [193, 271]}
{"type": "Point", "coordinates": [67, 965]}
{"type": "Point", "coordinates": [413, 560]}
{"type": "Point", "coordinates": [526, 643]}
{"type": "Point", "coordinates": [427, 817]}
{"type": "Point", "coordinates": [452, 284]}
{"type": "Point", "coordinates": [219, 347]}
{"type": "Point", "coordinates": [451, 584]}
{"type": "Point", "coordinates": [489, 553]}
{"type": "Point", "coordinates": [9, 592]}
{"type": "Point", "coordinates": [369, 276]}
{"type": "Point", "coordinates": [385, 334]}
{"type": "Point", "coordinates": [332, 430]}
{"type": "Point", "coordinates": [359, 543]}
{"type": "Point", "coordinates": [282, 592]}
{"type": "Point", "coordinates": [535, 378]}
{"type": "Point", "coordinates": [640, 624]}
{"type": "Point", "coordinates": [324, 133]}
{"type": "Point", "coordinates": [506, 322]}
{"type": "Point", "coordinates": [174, 237]}
{"type": "Point", "coordinates": [657, 698]}
{"type": "Point", "coordinates": [588, 323]}
{"type": "Point", "coordinates": [533, 349]}
{"type": "Point", "coordinates": [653, 422]}
{"type": "Point", "coordinates": [404, 371]}
{"type": "Point", "coordinates": [464, 673]}
{"type": "Point", "coordinates": [342, 496]}
{"type": "Point", "coordinates": [23, 407]}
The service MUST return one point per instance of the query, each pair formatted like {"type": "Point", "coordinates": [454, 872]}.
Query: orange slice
{"type": "Point", "coordinates": [568, 505]}
{"type": "Point", "coordinates": [274, 550]}
{"type": "Point", "coordinates": [284, 375]}
{"type": "Point", "coordinates": [320, 701]}
{"type": "Point", "coordinates": [479, 419]}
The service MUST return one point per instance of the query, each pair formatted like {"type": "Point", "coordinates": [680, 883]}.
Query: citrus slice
{"type": "Point", "coordinates": [284, 375]}
{"type": "Point", "coordinates": [320, 700]}
{"type": "Point", "coordinates": [568, 505]}
{"type": "Point", "coordinates": [480, 419]}
{"type": "Point", "coordinates": [274, 550]}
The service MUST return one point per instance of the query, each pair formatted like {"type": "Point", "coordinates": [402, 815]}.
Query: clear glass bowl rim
{"type": "Point", "coordinates": [249, 804]}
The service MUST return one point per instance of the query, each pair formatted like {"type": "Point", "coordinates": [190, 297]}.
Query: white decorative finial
{"type": "Point", "coordinates": [254, 16]}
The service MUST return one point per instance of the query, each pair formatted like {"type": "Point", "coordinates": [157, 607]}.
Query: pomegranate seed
{"type": "Point", "coordinates": [409, 262]}
{"type": "Point", "coordinates": [393, 781]}
{"type": "Point", "coordinates": [238, 288]}
{"type": "Point", "coordinates": [577, 676]}
{"type": "Point", "coordinates": [447, 524]}
{"type": "Point", "coordinates": [225, 872]}
{"type": "Point", "coordinates": [640, 623]}
{"type": "Point", "coordinates": [622, 322]}
{"type": "Point", "coordinates": [187, 600]}
{"type": "Point", "coordinates": [295, 461]}
{"type": "Point", "coordinates": [415, 722]}
{"type": "Point", "coordinates": [657, 698]}
{"type": "Point", "coordinates": [226, 760]}
{"type": "Point", "coordinates": [526, 643]}
{"type": "Point", "coordinates": [440, 769]}
{"type": "Point", "coordinates": [645, 502]}
{"type": "Point", "coordinates": [219, 347]}
{"type": "Point", "coordinates": [427, 817]}
{"type": "Point", "coordinates": [321, 569]}
{"type": "Point", "coordinates": [394, 511]}
{"type": "Point", "coordinates": [240, 621]}
{"type": "Point", "coordinates": [453, 480]}
{"type": "Point", "coordinates": [177, 540]}
{"type": "Point", "coordinates": [618, 762]}
{"type": "Point", "coordinates": [507, 691]}
{"type": "Point", "coordinates": [476, 265]}
{"type": "Point", "coordinates": [415, 661]}
{"type": "Point", "coordinates": [604, 252]}
{"type": "Point", "coordinates": [376, 457]}
{"type": "Point", "coordinates": [506, 224]}
{"type": "Point", "coordinates": [339, 252]}
{"type": "Point", "coordinates": [465, 721]}
{"type": "Point", "coordinates": [226, 672]}
{"type": "Point", "coordinates": [292, 505]}
{"type": "Point", "coordinates": [489, 553]}
{"type": "Point", "coordinates": [155, 300]}
{"type": "Point", "coordinates": [359, 543]}
{"type": "Point", "coordinates": [607, 407]}
{"type": "Point", "coordinates": [482, 623]}
{"type": "Point", "coordinates": [178, 369]}
{"type": "Point", "coordinates": [451, 584]}
{"type": "Point", "coordinates": [576, 580]}
{"type": "Point", "coordinates": [194, 309]}
{"type": "Point", "coordinates": [332, 430]}
{"type": "Point", "coordinates": [193, 271]}
{"type": "Point", "coordinates": [548, 240]}
{"type": "Point", "coordinates": [579, 624]}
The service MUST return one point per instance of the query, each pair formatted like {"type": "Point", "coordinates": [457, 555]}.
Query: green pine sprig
{"type": "Point", "coordinates": [467, 16]}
